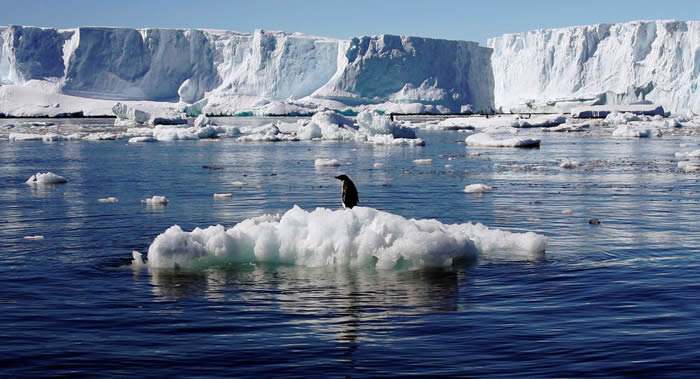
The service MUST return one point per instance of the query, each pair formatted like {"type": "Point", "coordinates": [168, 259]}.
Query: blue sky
{"type": "Point", "coordinates": [453, 19]}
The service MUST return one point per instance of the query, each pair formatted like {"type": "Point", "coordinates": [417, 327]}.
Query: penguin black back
{"type": "Point", "coordinates": [350, 198]}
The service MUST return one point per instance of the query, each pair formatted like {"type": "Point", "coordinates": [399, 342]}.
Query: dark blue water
{"type": "Point", "coordinates": [616, 299]}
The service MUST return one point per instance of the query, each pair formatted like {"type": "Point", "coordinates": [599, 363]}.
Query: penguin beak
{"type": "Point", "coordinates": [338, 177]}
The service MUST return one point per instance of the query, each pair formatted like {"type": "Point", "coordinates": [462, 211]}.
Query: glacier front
{"type": "Point", "coordinates": [607, 64]}
{"type": "Point", "coordinates": [46, 71]}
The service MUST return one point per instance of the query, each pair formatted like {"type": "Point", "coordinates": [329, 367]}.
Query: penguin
{"type": "Point", "coordinates": [350, 197]}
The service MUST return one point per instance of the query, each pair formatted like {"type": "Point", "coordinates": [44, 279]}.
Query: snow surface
{"type": "Point", "coordinates": [352, 237]}
{"type": "Point", "coordinates": [556, 69]}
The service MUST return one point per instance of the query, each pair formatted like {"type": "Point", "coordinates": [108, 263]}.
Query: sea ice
{"type": "Point", "coordinates": [34, 238]}
{"type": "Point", "coordinates": [353, 237]}
{"type": "Point", "coordinates": [569, 164]}
{"type": "Point", "coordinates": [487, 140]}
{"type": "Point", "coordinates": [636, 131]}
{"type": "Point", "coordinates": [108, 200]}
{"type": "Point", "coordinates": [323, 162]}
{"type": "Point", "coordinates": [142, 139]}
{"type": "Point", "coordinates": [156, 201]}
{"type": "Point", "coordinates": [477, 188]}
{"type": "Point", "coordinates": [45, 178]}
{"type": "Point", "coordinates": [221, 196]}
{"type": "Point", "coordinates": [426, 161]}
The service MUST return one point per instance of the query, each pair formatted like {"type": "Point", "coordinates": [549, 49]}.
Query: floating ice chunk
{"type": "Point", "coordinates": [25, 137]}
{"type": "Point", "coordinates": [41, 124]}
{"type": "Point", "coordinates": [142, 139]}
{"type": "Point", "coordinates": [171, 133]}
{"type": "Point", "coordinates": [221, 196]}
{"type": "Point", "coordinates": [371, 124]}
{"type": "Point", "coordinates": [569, 164]}
{"type": "Point", "coordinates": [100, 136]}
{"type": "Point", "coordinates": [568, 128]}
{"type": "Point", "coordinates": [378, 165]}
{"type": "Point", "coordinates": [45, 178]}
{"type": "Point", "coordinates": [426, 161]}
{"type": "Point", "coordinates": [34, 238]}
{"type": "Point", "coordinates": [322, 162]}
{"type": "Point", "coordinates": [156, 200]}
{"type": "Point", "coordinates": [689, 166]}
{"type": "Point", "coordinates": [353, 238]}
{"type": "Point", "coordinates": [688, 155]}
{"type": "Point", "coordinates": [129, 116]}
{"type": "Point", "coordinates": [52, 137]}
{"type": "Point", "coordinates": [567, 212]}
{"type": "Point", "coordinates": [544, 121]}
{"type": "Point", "coordinates": [237, 183]}
{"type": "Point", "coordinates": [388, 139]}
{"type": "Point", "coordinates": [310, 131]}
{"type": "Point", "coordinates": [202, 121]}
{"type": "Point", "coordinates": [137, 258]}
{"type": "Point", "coordinates": [487, 140]}
{"type": "Point", "coordinates": [477, 188]}
{"type": "Point", "coordinates": [108, 200]}
{"type": "Point", "coordinates": [636, 131]}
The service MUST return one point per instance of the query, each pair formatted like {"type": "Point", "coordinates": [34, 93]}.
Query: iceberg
{"type": "Point", "coordinates": [357, 237]}
{"type": "Point", "coordinates": [45, 178]}
{"type": "Point", "coordinates": [218, 72]}
{"type": "Point", "coordinates": [638, 62]}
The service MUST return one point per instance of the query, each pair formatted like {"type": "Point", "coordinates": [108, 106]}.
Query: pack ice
{"type": "Point", "coordinates": [350, 237]}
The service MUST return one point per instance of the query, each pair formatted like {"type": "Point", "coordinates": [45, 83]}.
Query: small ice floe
{"type": "Point", "coordinates": [569, 164]}
{"type": "Point", "coordinates": [108, 200]}
{"type": "Point", "coordinates": [568, 128]}
{"type": "Point", "coordinates": [636, 131]}
{"type": "Point", "coordinates": [101, 136]}
{"type": "Point", "coordinates": [41, 123]}
{"type": "Point", "coordinates": [477, 188]}
{"type": "Point", "coordinates": [474, 155]}
{"type": "Point", "coordinates": [448, 166]}
{"type": "Point", "coordinates": [426, 161]}
{"type": "Point", "coordinates": [237, 183]}
{"type": "Point", "coordinates": [142, 139]}
{"type": "Point", "coordinates": [378, 165]}
{"type": "Point", "coordinates": [16, 137]}
{"type": "Point", "coordinates": [156, 201]}
{"type": "Point", "coordinates": [567, 212]}
{"type": "Point", "coordinates": [688, 155]}
{"type": "Point", "coordinates": [487, 140]}
{"type": "Point", "coordinates": [322, 162]}
{"type": "Point", "coordinates": [689, 166]}
{"type": "Point", "coordinates": [45, 178]}
{"type": "Point", "coordinates": [137, 258]}
{"type": "Point", "coordinates": [222, 196]}
{"type": "Point", "coordinates": [34, 238]}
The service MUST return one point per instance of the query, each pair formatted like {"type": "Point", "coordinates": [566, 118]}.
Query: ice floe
{"type": "Point", "coordinates": [353, 237]}
{"type": "Point", "coordinates": [477, 188]}
{"type": "Point", "coordinates": [156, 200]}
{"type": "Point", "coordinates": [108, 200]}
{"type": "Point", "coordinates": [487, 140]}
{"type": "Point", "coordinates": [323, 162]}
{"type": "Point", "coordinates": [45, 178]}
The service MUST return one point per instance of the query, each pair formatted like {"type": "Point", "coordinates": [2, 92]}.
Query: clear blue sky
{"type": "Point", "coordinates": [453, 19]}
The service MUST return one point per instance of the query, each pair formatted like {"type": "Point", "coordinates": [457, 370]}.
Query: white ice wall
{"type": "Point", "coordinates": [629, 59]}
{"type": "Point", "coordinates": [236, 70]}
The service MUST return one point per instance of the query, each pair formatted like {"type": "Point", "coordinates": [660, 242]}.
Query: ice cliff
{"type": "Point", "coordinates": [656, 61]}
{"type": "Point", "coordinates": [227, 72]}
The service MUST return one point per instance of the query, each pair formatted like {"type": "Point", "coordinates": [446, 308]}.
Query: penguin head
{"type": "Point", "coordinates": [342, 177]}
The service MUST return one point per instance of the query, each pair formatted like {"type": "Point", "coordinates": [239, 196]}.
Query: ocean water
{"type": "Point", "coordinates": [616, 299]}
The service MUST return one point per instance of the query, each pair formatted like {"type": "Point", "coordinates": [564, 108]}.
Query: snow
{"type": "Point", "coordinates": [45, 178]}
{"type": "Point", "coordinates": [155, 201]}
{"type": "Point", "coordinates": [357, 237]}
{"type": "Point", "coordinates": [543, 121]}
{"type": "Point", "coordinates": [322, 162]}
{"type": "Point", "coordinates": [487, 140]}
{"type": "Point", "coordinates": [604, 64]}
{"type": "Point", "coordinates": [477, 188]}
